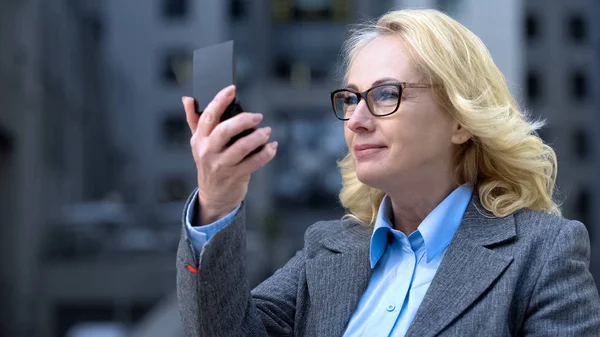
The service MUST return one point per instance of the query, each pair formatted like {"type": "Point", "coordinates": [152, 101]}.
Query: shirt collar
{"type": "Point", "coordinates": [437, 229]}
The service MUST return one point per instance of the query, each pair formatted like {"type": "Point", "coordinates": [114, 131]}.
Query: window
{"type": "Point", "coordinates": [577, 28]}
{"type": "Point", "coordinates": [175, 189]}
{"type": "Point", "coordinates": [6, 142]}
{"type": "Point", "coordinates": [310, 10]}
{"type": "Point", "coordinates": [282, 10]}
{"type": "Point", "coordinates": [238, 9]}
{"type": "Point", "coordinates": [96, 28]}
{"type": "Point", "coordinates": [281, 68]}
{"type": "Point", "coordinates": [582, 208]}
{"type": "Point", "coordinates": [580, 144]}
{"type": "Point", "coordinates": [579, 85]}
{"type": "Point", "coordinates": [175, 131]}
{"type": "Point", "coordinates": [533, 87]}
{"type": "Point", "coordinates": [176, 67]}
{"type": "Point", "coordinates": [175, 9]}
{"type": "Point", "coordinates": [300, 71]}
{"type": "Point", "coordinates": [532, 27]}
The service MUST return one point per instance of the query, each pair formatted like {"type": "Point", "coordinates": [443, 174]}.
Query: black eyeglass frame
{"type": "Point", "coordinates": [363, 95]}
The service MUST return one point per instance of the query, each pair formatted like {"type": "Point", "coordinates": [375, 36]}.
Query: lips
{"type": "Point", "coordinates": [363, 151]}
{"type": "Point", "coordinates": [363, 147]}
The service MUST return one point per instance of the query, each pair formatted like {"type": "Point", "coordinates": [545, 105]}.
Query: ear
{"type": "Point", "coordinates": [459, 134]}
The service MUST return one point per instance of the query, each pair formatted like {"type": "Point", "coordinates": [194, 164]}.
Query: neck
{"type": "Point", "coordinates": [416, 199]}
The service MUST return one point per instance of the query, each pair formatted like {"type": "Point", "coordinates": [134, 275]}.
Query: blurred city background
{"type": "Point", "coordinates": [95, 161]}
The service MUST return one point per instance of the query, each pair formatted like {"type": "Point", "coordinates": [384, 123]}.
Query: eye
{"type": "Point", "coordinates": [385, 94]}
{"type": "Point", "coordinates": [349, 100]}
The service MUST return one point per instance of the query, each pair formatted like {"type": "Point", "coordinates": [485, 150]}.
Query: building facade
{"type": "Point", "coordinates": [50, 125]}
{"type": "Point", "coordinates": [562, 53]}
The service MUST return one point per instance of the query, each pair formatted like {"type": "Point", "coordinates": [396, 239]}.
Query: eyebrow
{"type": "Point", "coordinates": [378, 82]}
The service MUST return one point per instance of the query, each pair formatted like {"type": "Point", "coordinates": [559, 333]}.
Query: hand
{"type": "Point", "coordinates": [224, 172]}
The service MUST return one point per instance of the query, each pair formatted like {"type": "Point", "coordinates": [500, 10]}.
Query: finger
{"type": "Point", "coordinates": [245, 145]}
{"type": "Point", "coordinates": [212, 113]}
{"type": "Point", "coordinates": [254, 162]}
{"type": "Point", "coordinates": [190, 113]}
{"type": "Point", "coordinates": [227, 129]}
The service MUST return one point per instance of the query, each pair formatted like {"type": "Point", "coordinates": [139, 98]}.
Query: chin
{"type": "Point", "coordinates": [370, 174]}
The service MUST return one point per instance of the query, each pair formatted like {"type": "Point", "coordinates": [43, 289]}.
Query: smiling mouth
{"type": "Point", "coordinates": [363, 151]}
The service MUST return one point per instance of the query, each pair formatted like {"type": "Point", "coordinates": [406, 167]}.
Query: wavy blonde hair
{"type": "Point", "coordinates": [505, 160]}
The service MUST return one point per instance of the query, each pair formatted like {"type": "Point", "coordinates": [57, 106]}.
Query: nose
{"type": "Point", "coordinates": [361, 119]}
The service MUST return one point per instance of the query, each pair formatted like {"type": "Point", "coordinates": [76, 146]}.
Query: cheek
{"type": "Point", "coordinates": [349, 135]}
{"type": "Point", "coordinates": [416, 134]}
{"type": "Point", "coordinates": [434, 135]}
{"type": "Point", "coordinates": [404, 133]}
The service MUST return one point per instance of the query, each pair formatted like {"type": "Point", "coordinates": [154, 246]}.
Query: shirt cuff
{"type": "Point", "coordinates": [199, 235]}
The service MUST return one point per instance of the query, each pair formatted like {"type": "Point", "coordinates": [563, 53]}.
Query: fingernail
{"type": "Point", "coordinates": [230, 90]}
{"type": "Point", "coordinates": [267, 130]}
{"type": "Point", "coordinates": [257, 117]}
{"type": "Point", "coordinates": [183, 98]}
{"type": "Point", "coordinates": [274, 145]}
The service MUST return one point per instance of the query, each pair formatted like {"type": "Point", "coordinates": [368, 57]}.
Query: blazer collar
{"type": "Point", "coordinates": [337, 281]}
{"type": "Point", "coordinates": [478, 225]}
{"type": "Point", "coordinates": [468, 269]}
{"type": "Point", "coordinates": [353, 238]}
{"type": "Point", "coordinates": [482, 227]}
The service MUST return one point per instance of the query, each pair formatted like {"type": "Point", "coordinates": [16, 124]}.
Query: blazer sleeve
{"type": "Point", "coordinates": [214, 297]}
{"type": "Point", "coordinates": [565, 299]}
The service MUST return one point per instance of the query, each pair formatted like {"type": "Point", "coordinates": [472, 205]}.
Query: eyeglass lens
{"type": "Point", "coordinates": [382, 100]}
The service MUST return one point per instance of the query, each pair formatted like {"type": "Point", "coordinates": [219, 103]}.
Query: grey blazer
{"type": "Point", "coordinates": [522, 275]}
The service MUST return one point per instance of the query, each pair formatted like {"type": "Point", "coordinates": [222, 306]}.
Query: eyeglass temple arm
{"type": "Point", "coordinates": [419, 85]}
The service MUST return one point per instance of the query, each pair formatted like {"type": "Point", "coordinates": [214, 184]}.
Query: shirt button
{"type": "Point", "coordinates": [391, 307]}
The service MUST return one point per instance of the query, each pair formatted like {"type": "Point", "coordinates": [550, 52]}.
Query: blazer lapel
{"type": "Point", "coordinates": [467, 270]}
{"type": "Point", "coordinates": [337, 280]}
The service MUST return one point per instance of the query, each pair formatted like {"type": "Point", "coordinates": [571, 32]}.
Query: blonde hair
{"type": "Point", "coordinates": [505, 160]}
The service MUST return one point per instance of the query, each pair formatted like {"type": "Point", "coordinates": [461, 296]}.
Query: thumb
{"type": "Point", "coordinates": [190, 113]}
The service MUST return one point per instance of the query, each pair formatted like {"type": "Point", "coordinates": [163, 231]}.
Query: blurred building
{"type": "Point", "coordinates": [20, 114]}
{"type": "Point", "coordinates": [94, 147]}
{"type": "Point", "coordinates": [562, 86]}
{"type": "Point", "coordinates": [110, 253]}
{"type": "Point", "coordinates": [149, 46]}
{"type": "Point", "coordinates": [71, 251]}
{"type": "Point", "coordinates": [50, 127]}
{"type": "Point", "coordinates": [54, 146]}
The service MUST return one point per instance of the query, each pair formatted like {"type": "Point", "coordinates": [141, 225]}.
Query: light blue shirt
{"type": "Point", "coordinates": [403, 267]}
{"type": "Point", "coordinates": [199, 235]}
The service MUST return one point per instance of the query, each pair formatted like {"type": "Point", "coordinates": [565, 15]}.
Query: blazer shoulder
{"type": "Point", "coordinates": [528, 220]}
{"type": "Point", "coordinates": [545, 228]}
{"type": "Point", "coordinates": [323, 229]}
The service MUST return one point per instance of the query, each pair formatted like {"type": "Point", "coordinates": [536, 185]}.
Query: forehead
{"type": "Point", "coordinates": [385, 56]}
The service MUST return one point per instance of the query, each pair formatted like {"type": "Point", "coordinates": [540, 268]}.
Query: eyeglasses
{"type": "Point", "coordinates": [382, 100]}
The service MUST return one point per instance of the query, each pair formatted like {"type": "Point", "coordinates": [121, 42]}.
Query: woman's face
{"type": "Point", "coordinates": [409, 146]}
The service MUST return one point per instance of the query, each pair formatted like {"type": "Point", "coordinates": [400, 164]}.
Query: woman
{"type": "Point", "coordinates": [451, 229]}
